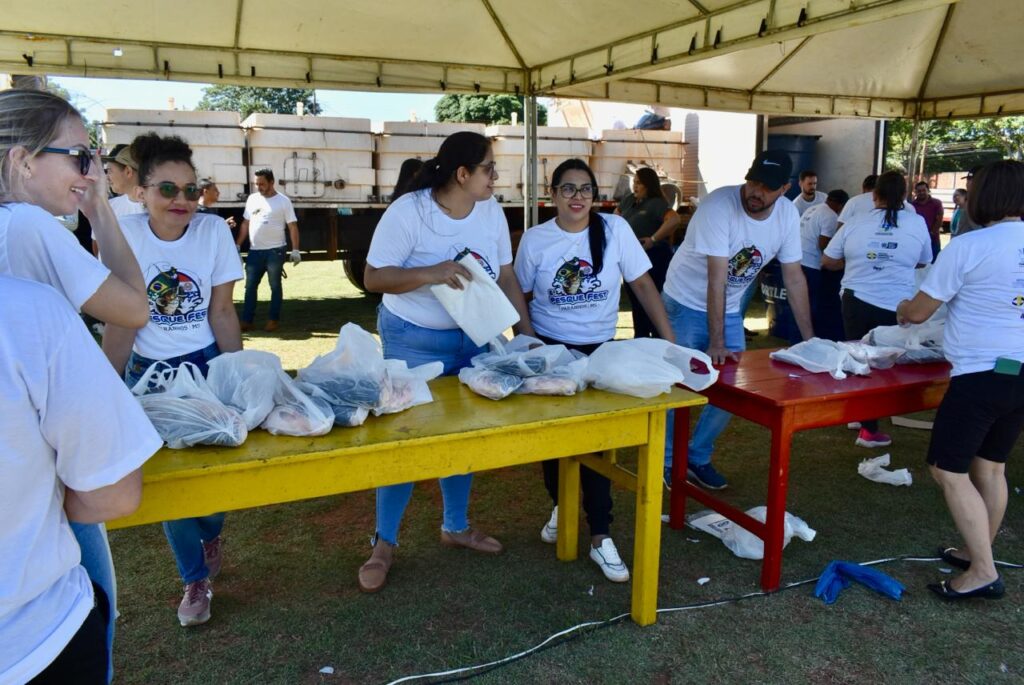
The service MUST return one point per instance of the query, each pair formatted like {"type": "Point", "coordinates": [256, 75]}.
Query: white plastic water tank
{"type": "Point", "coordinates": [555, 144]}
{"type": "Point", "coordinates": [402, 140]}
{"type": "Point", "coordinates": [617, 148]}
{"type": "Point", "coordinates": [320, 159]}
{"type": "Point", "coordinates": [216, 139]}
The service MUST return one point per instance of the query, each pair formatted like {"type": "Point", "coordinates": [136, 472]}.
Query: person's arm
{"type": "Point", "coordinates": [665, 231]}
{"type": "Point", "coordinates": [117, 345]}
{"type": "Point", "coordinates": [718, 268]}
{"type": "Point", "coordinates": [243, 233]}
{"type": "Point", "coordinates": [647, 293]}
{"type": "Point", "coordinates": [102, 504]}
{"type": "Point", "coordinates": [509, 285]}
{"type": "Point", "coordinates": [224, 319]}
{"type": "Point", "coordinates": [796, 292]}
{"type": "Point", "coordinates": [395, 280]}
{"type": "Point", "coordinates": [917, 310]}
{"type": "Point", "coordinates": [832, 264]}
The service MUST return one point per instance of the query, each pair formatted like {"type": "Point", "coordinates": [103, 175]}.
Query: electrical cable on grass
{"type": "Point", "coordinates": [569, 634]}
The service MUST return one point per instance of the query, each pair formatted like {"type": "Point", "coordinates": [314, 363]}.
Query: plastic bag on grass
{"type": "Point", "coordinates": [492, 384]}
{"type": "Point", "coordinates": [184, 410]}
{"type": "Point", "coordinates": [742, 542]}
{"type": "Point", "coordinates": [353, 374]}
{"type": "Point", "coordinates": [646, 367]}
{"type": "Point", "coordinates": [480, 307]}
{"type": "Point", "coordinates": [822, 356]}
{"type": "Point", "coordinates": [838, 575]}
{"type": "Point", "coordinates": [246, 381]}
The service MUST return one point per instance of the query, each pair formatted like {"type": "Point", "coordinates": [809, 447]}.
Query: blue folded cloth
{"type": "Point", "coordinates": [838, 575]}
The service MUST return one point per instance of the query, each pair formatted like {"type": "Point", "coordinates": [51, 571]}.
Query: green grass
{"type": "Point", "coordinates": [287, 604]}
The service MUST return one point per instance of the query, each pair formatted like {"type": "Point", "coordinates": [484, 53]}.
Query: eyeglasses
{"type": "Point", "coordinates": [569, 191]}
{"type": "Point", "coordinates": [489, 167]}
{"type": "Point", "coordinates": [170, 190]}
{"type": "Point", "coordinates": [84, 156]}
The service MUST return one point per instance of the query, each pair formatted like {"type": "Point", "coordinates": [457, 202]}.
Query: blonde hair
{"type": "Point", "coordinates": [30, 119]}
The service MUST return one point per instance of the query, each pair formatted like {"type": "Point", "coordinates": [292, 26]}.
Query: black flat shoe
{"type": "Point", "coordinates": [946, 553]}
{"type": "Point", "coordinates": [994, 590]}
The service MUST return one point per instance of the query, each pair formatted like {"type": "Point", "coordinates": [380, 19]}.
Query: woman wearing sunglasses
{"type": "Point", "coordinates": [571, 269]}
{"type": "Point", "coordinates": [448, 213]}
{"type": "Point", "coordinates": [47, 169]}
{"type": "Point", "coordinates": [190, 266]}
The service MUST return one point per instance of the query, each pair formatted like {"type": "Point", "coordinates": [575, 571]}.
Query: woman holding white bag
{"type": "Point", "coordinates": [571, 269]}
{"type": "Point", "coordinates": [448, 213]}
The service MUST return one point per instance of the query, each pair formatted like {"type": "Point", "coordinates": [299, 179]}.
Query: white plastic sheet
{"type": "Point", "coordinates": [921, 343]}
{"type": "Point", "coordinates": [739, 540]}
{"type": "Point", "coordinates": [245, 381]}
{"type": "Point", "coordinates": [875, 470]}
{"type": "Point", "coordinates": [480, 307]}
{"type": "Point", "coordinates": [822, 356]}
{"type": "Point", "coordinates": [647, 367]}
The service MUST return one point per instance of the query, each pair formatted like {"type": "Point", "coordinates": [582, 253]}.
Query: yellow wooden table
{"type": "Point", "coordinates": [459, 432]}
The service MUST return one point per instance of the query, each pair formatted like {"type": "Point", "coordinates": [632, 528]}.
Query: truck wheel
{"type": "Point", "coordinates": [354, 268]}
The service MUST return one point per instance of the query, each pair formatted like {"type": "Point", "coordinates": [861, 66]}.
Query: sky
{"type": "Point", "coordinates": [93, 96]}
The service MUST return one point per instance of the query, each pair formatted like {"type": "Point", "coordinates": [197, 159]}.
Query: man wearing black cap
{"type": "Point", "coordinates": [734, 233]}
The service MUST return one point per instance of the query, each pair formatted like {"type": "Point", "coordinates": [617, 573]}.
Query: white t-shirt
{"type": "Point", "coordinates": [980, 275]}
{"type": "Point", "coordinates": [268, 217]}
{"type": "Point", "coordinates": [34, 245]}
{"type": "Point", "coordinates": [124, 205]}
{"type": "Point", "coordinates": [67, 419]}
{"type": "Point", "coordinates": [803, 205]}
{"type": "Point", "coordinates": [721, 228]}
{"type": "Point", "coordinates": [817, 221]}
{"type": "Point", "coordinates": [863, 204]}
{"type": "Point", "coordinates": [180, 276]}
{"type": "Point", "coordinates": [570, 302]}
{"type": "Point", "coordinates": [415, 232]}
{"type": "Point", "coordinates": [880, 259]}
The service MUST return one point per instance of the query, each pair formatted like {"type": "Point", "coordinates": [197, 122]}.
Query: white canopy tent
{"type": "Point", "coordinates": [864, 58]}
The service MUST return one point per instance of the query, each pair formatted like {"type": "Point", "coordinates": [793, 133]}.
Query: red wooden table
{"type": "Point", "coordinates": [786, 399]}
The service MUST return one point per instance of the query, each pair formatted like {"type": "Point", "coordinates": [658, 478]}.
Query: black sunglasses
{"type": "Point", "coordinates": [169, 190]}
{"type": "Point", "coordinates": [84, 156]}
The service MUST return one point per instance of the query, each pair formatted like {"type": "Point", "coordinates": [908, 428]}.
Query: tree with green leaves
{"type": "Point", "coordinates": [484, 109]}
{"type": "Point", "coordinates": [246, 100]}
{"type": "Point", "coordinates": [954, 145]}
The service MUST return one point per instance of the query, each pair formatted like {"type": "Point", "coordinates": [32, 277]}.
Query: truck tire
{"type": "Point", "coordinates": [354, 269]}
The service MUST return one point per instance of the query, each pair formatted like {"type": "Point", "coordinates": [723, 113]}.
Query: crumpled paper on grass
{"type": "Point", "coordinates": [739, 540]}
{"type": "Point", "coordinates": [874, 469]}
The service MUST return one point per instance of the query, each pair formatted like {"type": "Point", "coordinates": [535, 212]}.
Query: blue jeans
{"type": "Point", "coordinates": [99, 564]}
{"type": "Point", "coordinates": [186, 536]}
{"type": "Point", "coordinates": [257, 263]}
{"type": "Point", "coordinates": [691, 329]}
{"type": "Point", "coordinates": [416, 345]}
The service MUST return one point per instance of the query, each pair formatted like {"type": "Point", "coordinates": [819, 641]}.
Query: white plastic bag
{"type": "Point", "coordinates": [245, 381]}
{"type": "Point", "coordinates": [480, 307]}
{"type": "Point", "coordinates": [742, 542]}
{"type": "Point", "coordinates": [646, 367]}
{"type": "Point", "coordinates": [351, 376]}
{"type": "Point", "coordinates": [184, 410]}
{"type": "Point", "coordinates": [875, 470]}
{"type": "Point", "coordinates": [822, 356]}
{"type": "Point", "coordinates": [921, 343]}
{"type": "Point", "coordinates": [567, 379]}
{"type": "Point", "coordinates": [295, 412]}
{"type": "Point", "coordinates": [407, 387]}
{"type": "Point", "coordinates": [872, 355]}
{"type": "Point", "coordinates": [489, 383]}
{"type": "Point", "coordinates": [524, 363]}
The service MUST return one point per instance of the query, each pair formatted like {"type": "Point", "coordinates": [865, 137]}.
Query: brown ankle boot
{"type": "Point", "coordinates": [373, 575]}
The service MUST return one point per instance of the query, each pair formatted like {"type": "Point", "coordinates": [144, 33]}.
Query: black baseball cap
{"type": "Point", "coordinates": [773, 168]}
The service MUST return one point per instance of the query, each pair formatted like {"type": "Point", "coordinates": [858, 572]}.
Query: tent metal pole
{"type": "Point", "coordinates": [530, 211]}
{"type": "Point", "coordinates": [914, 137]}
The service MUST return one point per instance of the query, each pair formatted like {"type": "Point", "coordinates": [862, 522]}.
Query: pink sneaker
{"type": "Point", "coordinates": [212, 557]}
{"type": "Point", "coordinates": [866, 438]}
{"type": "Point", "coordinates": [195, 605]}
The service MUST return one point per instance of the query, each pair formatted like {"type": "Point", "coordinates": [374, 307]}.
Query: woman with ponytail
{"type": "Point", "coordinates": [879, 252]}
{"type": "Point", "coordinates": [449, 213]}
{"type": "Point", "coordinates": [571, 269]}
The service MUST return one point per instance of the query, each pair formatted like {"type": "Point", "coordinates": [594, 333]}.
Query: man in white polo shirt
{"type": "Point", "coordinates": [734, 233]}
{"type": "Point", "coordinates": [267, 212]}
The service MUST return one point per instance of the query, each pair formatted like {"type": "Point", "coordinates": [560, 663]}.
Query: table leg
{"type": "Point", "coordinates": [775, 516]}
{"type": "Point", "coordinates": [680, 455]}
{"type": "Point", "coordinates": [567, 546]}
{"type": "Point", "coordinates": [647, 545]}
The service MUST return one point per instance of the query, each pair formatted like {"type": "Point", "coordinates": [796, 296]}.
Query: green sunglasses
{"type": "Point", "coordinates": [169, 190]}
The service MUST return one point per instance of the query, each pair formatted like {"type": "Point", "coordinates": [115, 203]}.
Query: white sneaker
{"type": "Point", "coordinates": [607, 557]}
{"type": "Point", "coordinates": [549, 533]}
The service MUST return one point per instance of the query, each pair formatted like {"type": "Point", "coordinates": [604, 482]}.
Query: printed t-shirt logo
{"type": "Point", "coordinates": [174, 297]}
{"type": "Point", "coordinates": [575, 282]}
{"type": "Point", "coordinates": [744, 265]}
{"type": "Point", "coordinates": [481, 259]}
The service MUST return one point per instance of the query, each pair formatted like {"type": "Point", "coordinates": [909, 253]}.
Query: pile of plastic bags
{"type": "Point", "coordinates": [918, 343]}
{"type": "Point", "coordinates": [525, 365]}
